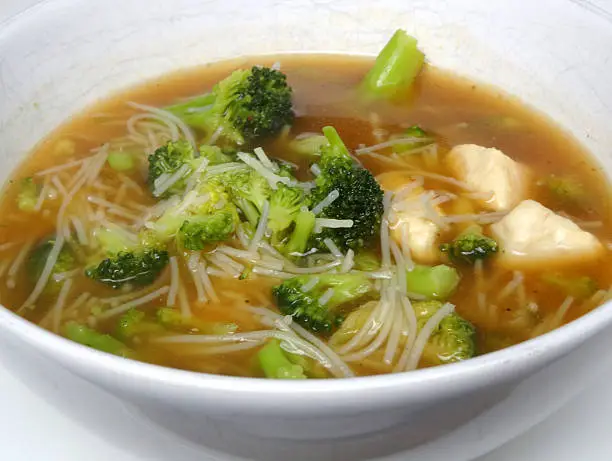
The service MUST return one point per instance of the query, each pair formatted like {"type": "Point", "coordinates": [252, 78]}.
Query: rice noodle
{"type": "Point", "coordinates": [208, 286]}
{"type": "Point", "coordinates": [333, 248]}
{"type": "Point", "coordinates": [517, 280]}
{"type": "Point", "coordinates": [561, 312]}
{"type": "Point", "coordinates": [265, 161]}
{"type": "Point", "coordinates": [169, 118]}
{"type": "Point", "coordinates": [271, 272]}
{"type": "Point", "coordinates": [349, 261]}
{"type": "Point", "coordinates": [42, 195]}
{"type": "Point", "coordinates": [272, 178]}
{"type": "Point", "coordinates": [58, 184]}
{"type": "Point", "coordinates": [184, 302]}
{"type": "Point", "coordinates": [384, 231]}
{"type": "Point", "coordinates": [412, 327]}
{"type": "Point", "coordinates": [20, 258]}
{"type": "Point", "coordinates": [407, 253]}
{"type": "Point", "coordinates": [261, 227]}
{"type": "Point", "coordinates": [325, 297]}
{"type": "Point", "coordinates": [327, 201]}
{"type": "Point", "coordinates": [314, 168]}
{"type": "Point", "coordinates": [62, 167]}
{"type": "Point", "coordinates": [394, 337]}
{"type": "Point", "coordinates": [59, 305]}
{"type": "Point", "coordinates": [133, 303]}
{"type": "Point", "coordinates": [174, 282]}
{"type": "Point", "coordinates": [80, 230]}
{"type": "Point", "coordinates": [161, 187]}
{"type": "Point", "coordinates": [424, 335]}
{"type": "Point", "coordinates": [484, 218]}
{"type": "Point", "coordinates": [321, 223]}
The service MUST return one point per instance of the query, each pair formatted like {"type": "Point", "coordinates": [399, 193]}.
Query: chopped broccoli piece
{"type": "Point", "coordinates": [566, 190]}
{"type": "Point", "coordinates": [452, 341]}
{"type": "Point", "coordinates": [201, 230]}
{"type": "Point", "coordinates": [140, 267]}
{"type": "Point", "coordinates": [134, 323]}
{"type": "Point", "coordinates": [437, 282]}
{"type": "Point", "coordinates": [121, 161]}
{"type": "Point", "coordinates": [354, 322]}
{"type": "Point", "coordinates": [470, 246]}
{"type": "Point", "coordinates": [173, 319]}
{"type": "Point", "coordinates": [395, 69]}
{"type": "Point", "coordinates": [246, 105]}
{"type": "Point", "coordinates": [66, 261]}
{"type": "Point", "coordinates": [214, 155]}
{"type": "Point", "coordinates": [309, 146]}
{"type": "Point", "coordinates": [96, 340]}
{"type": "Point", "coordinates": [300, 236]}
{"type": "Point", "coordinates": [285, 204]}
{"type": "Point", "coordinates": [308, 306]}
{"type": "Point", "coordinates": [367, 261]}
{"type": "Point", "coordinates": [28, 195]}
{"type": "Point", "coordinates": [112, 239]}
{"type": "Point", "coordinates": [275, 363]}
{"type": "Point", "coordinates": [579, 287]}
{"type": "Point", "coordinates": [421, 139]}
{"type": "Point", "coordinates": [170, 166]}
{"type": "Point", "coordinates": [360, 196]}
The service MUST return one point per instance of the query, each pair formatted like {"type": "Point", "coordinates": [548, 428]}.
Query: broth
{"type": "Point", "coordinates": [455, 110]}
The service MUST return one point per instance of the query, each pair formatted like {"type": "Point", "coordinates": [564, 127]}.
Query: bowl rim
{"type": "Point", "coordinates": [477, 372]}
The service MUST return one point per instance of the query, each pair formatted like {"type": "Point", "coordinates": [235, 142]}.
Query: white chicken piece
{"type": "Point", "coordinates": [532, 235]}
{"type": "Point", "coordinates": [489, 170]}
{"type": "Point", "coordinates": [414, 216]}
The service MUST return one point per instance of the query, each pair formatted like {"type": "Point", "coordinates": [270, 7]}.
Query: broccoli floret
{"type": "Point", "coordinates": [395, 69]}
{"type": "Point", "coordinates": [317, 301]}
{"type": "Point", "coordinates": [134, 323]}
{"type": "Point", "coordinates": [138, 267]}
{"type": "Point", "coordinates": [469, 247]}
{"type": "Point", "coordinates": [437, 282]}
{"type": "Point", "coordinates": [285, 204]}
{"type": "Point", "coordinates": [579, 287]}
{"type": "Point", "coordinates": [275, 362]}
{"type": "Point", "coordinates": [169, 168]}
{"type": "Point", "coordinates": [360, 196]}
{"type": "Point", "coordinates": [367, 260]}
{"type": "Point", "coordinates": [247, 105]}
{"type": "Point", "coordinates": [96, 340]}
{"type": "Point", "coordinates": [452, 341]}
{"type": "Point", "coordinates": [201, 230]}
{"type": "Point", "coordinates": [27, 197]}
{"type": "Point", "coordinates": [214, 155]}
{"type": "Point", "coordinates": [66, 261]}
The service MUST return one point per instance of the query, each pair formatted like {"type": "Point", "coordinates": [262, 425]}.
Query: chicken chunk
{"type": "Point", "coordinates": [490, 170]}
{"type": "Point", "coordinates": [532, 235]}
{"type": "Point", "coordinates": [414, 216]}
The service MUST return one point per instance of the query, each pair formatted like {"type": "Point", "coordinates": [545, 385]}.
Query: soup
{"type": "Point", "coordinates": [343, 222]}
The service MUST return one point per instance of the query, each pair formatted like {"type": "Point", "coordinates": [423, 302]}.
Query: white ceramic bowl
{"type": "Point", "coordinates": [61, 55]}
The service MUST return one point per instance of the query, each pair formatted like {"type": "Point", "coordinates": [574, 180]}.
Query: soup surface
{"type": "Point", "coordinates": [451, 269]}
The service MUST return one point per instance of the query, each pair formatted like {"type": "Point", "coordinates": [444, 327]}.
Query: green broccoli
{"type": "Point", "coordinates": [317, 301]}
{"type": "Point", "coordinates": [367, 260]}
{"type": "Point", "coordinates": [246, 105]}
{"type": "Point", "coordinates": [201, 230]}
{"type": "Point", "coordinates": [121, 161]}
{"type": "Point", "coordinates": [421, 139]}
{"type": "Point", "coordinates": [139, 267]}
{"type": "Point", "coordinates": [309, 146]}
{"type": "Point", "coordinates": [453, 340]}
{"type": "Point", "coordinates": [470, 246]}
{"type": "Point", "coordinates": [66, 261]}
{"type": "Point", "coordinates": [170, 166]}
{"type": "Point", "coordinates": [275, 362]}
{"type": "Point", "coordinates": [565, 190]}
{"type": "Point", "coordinates": [301, 234]}
{"type": "Point", "coordinates": [96, 340]}
{"type": "Point", "coordinates": [134, 323]}
{"type": "Point", "coordinates": [174, 320]}
{"type": "Point", "coordinates": [27, 197]}
{"type": "Point", "coordinates": [215, 155]}
{"type": "Point", "coordinates": [579, 287]}
{"type": "Point", "coordinates": [437, 282]}
{"type": "Point", "coordinates": [395, 69]}
{"type": "Point", "coordinates": [360, 196]}
{"type": "Point", "coordinates": [285, 205]}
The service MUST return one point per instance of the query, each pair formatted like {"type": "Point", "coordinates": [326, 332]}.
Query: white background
{"type": "Point", "coordinates": [34, 430]}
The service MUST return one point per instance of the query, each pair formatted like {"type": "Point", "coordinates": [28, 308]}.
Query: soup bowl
{"type": "Point", "coordinates": [61, 55]}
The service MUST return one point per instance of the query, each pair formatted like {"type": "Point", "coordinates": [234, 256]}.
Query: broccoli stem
{"type": "Point", "coordinates": [275, 363]}
{"type": "Point", "coordinates": [121, 161]}
{"type": "Point", "coordinates": [437, 282]}
{"type": "Point", "coordinates": [91, 338]}
{"type": "Point", "coordinates": [304, 225]}
{"type": "Point", "coordinates": [334, 140]}
{"type": "Point", "coordinates": [194, 111]}
{"type": "Point", "coordinates": [395, 69]}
